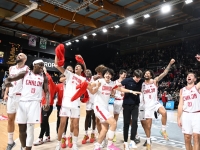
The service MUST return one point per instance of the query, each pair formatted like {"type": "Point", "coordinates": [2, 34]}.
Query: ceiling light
{"type": "Point", "coordinates": [116, 26]}
{"type": "Point", "coordinates": [165, 9]}
{"type": "Point", "coordinates": [85, 37]}
{"type": "Point", "coordinates": [66, 44]}
{"type": "Point", "coordinates": [146, 16]}
{"type": "Point", "coordinates": [77, 40]}
{"type": "Point", "coordinates": [94, 34]}
{"type": "Point", "coordinates": [69, 43]}
{"type": "Point", "coordinates": [130, 21]}
{"type": "Point", "coordinates": [188, 1]}
{"type": "Point", "coordinates": [104, 30]}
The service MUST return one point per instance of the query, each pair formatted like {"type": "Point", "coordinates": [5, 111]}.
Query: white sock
{"type": "Point", "coordinates": [132, 142]}
{"type": "Point", "coordinates": [137, 137]}
{"type": "Point", "coordinates": [110, 142]}
{"type": "Point", "coordinates": [59, 143]}
{"type": "Point", "coordinates": [63, 135]}
{"type": "Point", "coordinates": [148, 141]}
{"type": "Point", "coordinates": [10, 137]}
{"type": "Point", "coordinates": [74, 139]}
{"type": "Point", "coordinates": [163, 127]}
{"type": "Point", "coordinates": [111, 134]}
{"type": "Point", "coordinates": [97, 145]}
{"type": "Point", "coordinates": [71, 134]}
{"type": "Point", "coordinates": [126, 143]}
{"type": "Point", "coordinates": [93, 131]}
{"type": "Point", "coordinates": [86, 132]}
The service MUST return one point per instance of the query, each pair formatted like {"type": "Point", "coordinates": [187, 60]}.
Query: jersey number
{"type": "Point", "coordinates": [33, 90]}
{"type": "Point", "coordinates": [189, 104]}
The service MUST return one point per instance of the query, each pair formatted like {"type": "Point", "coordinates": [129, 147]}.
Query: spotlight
{"type": "Point", "coordinates": [87, 9]}
{"type": "Point", "coordinates": [66, 44]}
{"type": "Point", "coordinates": [69, 43]}
{"type": "Point", "coordinates": [77, 40]}
{"type": "Point", "coordinates": [85, 37]}
{"type": "Point", "coordinates": [146, 16]}
{"type": "Point", "coordinates": [165, 9]}
{"type": "Point", "coordinates": [116, 26]}
{"type": "Point", "coordinates": [188, 1]}
{"type": "Point", "coordinates": [101, 3]}
{"type": "Point", "coordinates": [104, 30]}
{"type": "Point", "coordinates": [94, 34]}
{"type": "Point", "coordinates": [130, 21]}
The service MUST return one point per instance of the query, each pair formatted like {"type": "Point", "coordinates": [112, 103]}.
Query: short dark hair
{"type": "Point", "coordinates": [109, 71]}
{"type": "Point", "coordinates": [122, 71]}
{"type": "Point", "coordinates": [137, 73]}
{"type": "Point", "coordinates": [192, 73]}
{"type": "Point", "coordinates": [82, 67]}
{"type": "Point", "coordinates": [151, 73]}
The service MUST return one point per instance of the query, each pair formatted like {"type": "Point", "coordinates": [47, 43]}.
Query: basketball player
{"type": "Point", "coordinates": [151, 103]}
{"type": "Point", "coordinates": [189, 111]}
{"type": "Point", "coordinates": [118, 97]}
{"type": "Point", "coordinates": [70, 108]}
{"type": "Point", "coordinates": [45, 128]}
{"type": "Point", "coordinates": [89, 112]}
{"type": "Point", "coordinates": [14, 95]}
{"type": "Point", "coordinates": [103, 89]}
{"type": "Point", "coordinates": [29, 110]}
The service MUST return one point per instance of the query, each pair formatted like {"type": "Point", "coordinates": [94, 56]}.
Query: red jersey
{"type": "Point", "coordinates": [59, 91]}
{"type": "Point", "coordinates": [51, 86]}
{"type": "Point", "coordinates": [164, 98]}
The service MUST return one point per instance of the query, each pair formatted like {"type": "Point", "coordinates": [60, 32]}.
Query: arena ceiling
{"type": "Point", "coordinates": [66, 19]}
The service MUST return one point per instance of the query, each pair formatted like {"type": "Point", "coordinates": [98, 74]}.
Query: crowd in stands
{"type": "Point", "coordinates": [157, 59]}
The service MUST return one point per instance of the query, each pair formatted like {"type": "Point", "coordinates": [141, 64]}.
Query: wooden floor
{"type": "Point", "coordinates": [51, 145]}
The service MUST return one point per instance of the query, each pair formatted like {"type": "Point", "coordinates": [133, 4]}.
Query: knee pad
{"type": "Point", "coordinates": [30, 135]}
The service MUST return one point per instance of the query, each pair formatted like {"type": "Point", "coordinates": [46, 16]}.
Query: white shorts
{"type": "Point", "coordinates": [149, 113]}
{"type": "Point", "coordinates": [102, 113]}
{"type": "Point", "coordinates": [141, 113]}
{"type": "Point", "coordinates": [12, 103]}
{"type": "Point", "coordinates": [191, 123]}
{"type": "Point", "coordinates": [89, 106]}
{"type": "Point", "coordinates": [28, 112]}
{"type": "Point", "coordinates": [117, 106]}
{"type": "Point", "coordinates": [69, 112]}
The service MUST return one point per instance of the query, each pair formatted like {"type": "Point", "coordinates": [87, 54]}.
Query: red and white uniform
{"type": "Point", "coordinates": [29, 110]}
{"type": "Point", "coordinates": [69, 108]}
{"type": "Point", "coordinates": [118, 100]}
{"type": "Point", "coordinates": [101, 100]}
{"type": "Point", "coordinates": [150, 99]}
{"type": "Point", "coordinates": [14, 91]}
{"type": "Point", "coordinates": [191, 110]}
{"type": "Point", "coordinates": [90, 103]}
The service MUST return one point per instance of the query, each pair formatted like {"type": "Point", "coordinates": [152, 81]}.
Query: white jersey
{"type": "Point", "coordinates": [191, 99]}
{"type": "Point", "coordinates": [32, 87]}
{"type": "Point", "coordinates": [103, 93]}
{"type": "Point", "coordinates": [118, 94]}
{"type": "Point", "coordinates": [17, 85]}
{"type": "Point", "coordinates": [149, 93]}
{"type": "Point", "coordinates": [70, 89]}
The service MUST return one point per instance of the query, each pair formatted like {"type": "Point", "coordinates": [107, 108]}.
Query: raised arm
{"type": "Point", "coordinates": [93, 87]}
{"type": "Point", "coordinates": [61, 69]}
{"type": "Point", "coordinates": [127, 91]}
{"type": "Point", "coordinates": [180, 109]}
{"type": "Point", "coordinates": [198, 59]}
{"type": "Point", "coordinates": [162, 75]}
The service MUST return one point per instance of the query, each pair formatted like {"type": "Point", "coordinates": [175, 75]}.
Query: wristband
{"type": "Point", "coordinates": [130, 91]}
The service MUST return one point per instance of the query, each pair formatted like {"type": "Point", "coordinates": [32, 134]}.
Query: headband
{"type": "Point", "coordinates": [38, 61]}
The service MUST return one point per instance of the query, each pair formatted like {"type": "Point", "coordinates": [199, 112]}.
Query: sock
{"type": "Point", "coordinates": [86, 132]}
{"type": "Point", "coordinates": [148, 141]}
{"type": "Point", "coordinates": [93, 131]}
{"type": "Point", "coordinates": [97, 145]}
{"type": "Point", "coordinates": [10, 138]}
{"type": "Point", "coordinates": [63, 135]}
{"type": "Point", "coordinates": [59, 143]}
{"type": "Point", "coordinates": [110, 142]}
{"type": "Point", "coordinates": [137, 137]}
{"type": "Point", "coordinates": [111, 134]}
{"type": "Point", "coordinates": [71, 134]}
{"type": "Point", "coordinates": [163, 127]}
{"type": "Point", "coordinates": [125, 143]}
{"type": "Point", "coordinates": [74, 139]}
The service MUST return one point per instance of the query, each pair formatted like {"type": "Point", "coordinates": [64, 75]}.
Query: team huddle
{"type": "Point", "coordinates": [30, 88]}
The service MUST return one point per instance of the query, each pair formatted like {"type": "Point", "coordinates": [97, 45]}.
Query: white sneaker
{"type": "Point", "coordinates": [103, 144]}
{"type": "Point", "coordinates": [47, 139]}
{"type": "Point", "coordinates": [74, 147]}
{"type": "Point", "coordinates": [126, 147]}
{"type": "Point", "coordinates": [132, 145]}
{"type": "Point", "coordinates": [58, 147]}
{"type": "Point", "coordinates": [38, 142]}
